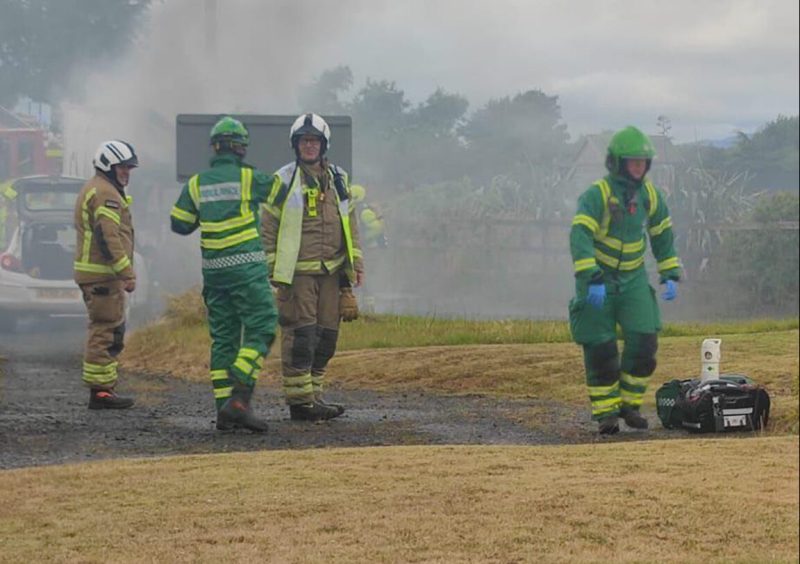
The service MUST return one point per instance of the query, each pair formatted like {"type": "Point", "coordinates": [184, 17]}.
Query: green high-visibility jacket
{"type": "Point", "coordinates": [608, 230]}
{"type": "Point", "coordinates": [223, 202]}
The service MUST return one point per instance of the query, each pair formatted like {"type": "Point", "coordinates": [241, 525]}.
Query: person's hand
{"type": "Point", "coordinates": [597, 295]}
{"type": "Point", "coordinates": [359, 278]}
{"type": "Point", "coordinates": [670, 290]}
{"type": "Point", "coordinates": [129, 285]}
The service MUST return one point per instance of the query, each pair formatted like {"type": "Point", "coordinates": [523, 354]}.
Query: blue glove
{"type": "Point", "coordinates": [670, 290]}
{"type": "Point", "coordinates": [596, 295]}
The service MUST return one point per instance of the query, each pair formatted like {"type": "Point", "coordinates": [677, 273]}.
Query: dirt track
{"type": "Point", "coordinates": [44, 419]}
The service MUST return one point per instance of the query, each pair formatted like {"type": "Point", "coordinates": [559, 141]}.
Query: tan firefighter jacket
{"type": "Point", "coordinates": [328, 237]}
{"type": "Point", "coordinates": [105, 233]}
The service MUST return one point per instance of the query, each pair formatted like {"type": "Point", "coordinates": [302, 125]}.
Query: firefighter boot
{"type": "Point", "coordinates": [236, 412]}
{"type": "Point", "coordinates": [100, 398]}
{"type": "Point", "coordinates": [608, 425]}
{"type": "Point", "coordinates": [633, 418]}
{"type": "Point", "coordinates": [339, 408]}
{"type": "Point", "coordinates": [314, 412]}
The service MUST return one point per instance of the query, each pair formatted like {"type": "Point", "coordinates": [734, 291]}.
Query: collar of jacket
{"type": "Point", "coordinates": [226, 158]}
{"type": "Point", "coordinates": [111, 178]}
{"type": "Point", "coordinates": [624, 183]}
{"type": "Point", "coordinates": [104, 177]}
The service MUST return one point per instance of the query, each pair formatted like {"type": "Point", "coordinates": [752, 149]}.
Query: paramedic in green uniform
{"type": "Point", "coordinates": [608, 243]}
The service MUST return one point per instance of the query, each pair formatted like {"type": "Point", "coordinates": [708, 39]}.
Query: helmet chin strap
{"type": "Point", "coordinates": [111, 176]}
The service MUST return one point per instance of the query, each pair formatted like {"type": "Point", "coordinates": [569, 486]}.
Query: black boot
{"type": "Point", "coordinates": [608, 425]}
{"type": "Point", "coordinates": [633, 418]}
{"type": "Point", "coordinates": [236, 413]}
{"type": "Point", "coordinates": [100, 398]}
{"type": "Point", "coordinates": [339, 408]}
{"type": "Point", "coordinates": [313, 412]}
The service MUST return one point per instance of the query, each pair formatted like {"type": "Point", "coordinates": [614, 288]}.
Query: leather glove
{"type": "Point", "coordinates": [597, 295]}
{"type": "Point", "coordinates": [348, 305]}
{"type": "Point", "coordinates": [670, 290]}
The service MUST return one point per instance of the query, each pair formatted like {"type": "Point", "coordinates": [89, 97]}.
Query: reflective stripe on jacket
{"type": "Point", "coordinates": [223, 202]}
{"type": "Point", "coordinates": [608, 233]}
{"type": "Point", "coordinates": [105, 237]}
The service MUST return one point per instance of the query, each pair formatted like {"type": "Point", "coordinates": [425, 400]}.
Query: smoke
{"type": "Point", "coordinates": [191, 57]}
{"type": "Point", "coordinates": [199, 57]}
{"type": "Point", "coordinates": [605, 62]}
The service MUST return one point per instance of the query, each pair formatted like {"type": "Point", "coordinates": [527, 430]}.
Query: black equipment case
{"type": "Point", "coordinates": [730, 403]}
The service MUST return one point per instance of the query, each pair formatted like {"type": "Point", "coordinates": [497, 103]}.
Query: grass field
{"type": "Point", "coordinates": [516, 358]}
{"type": "Point", "coordinates": [717, 500]}
{"type": "Point", "coordinates": [722, 499]}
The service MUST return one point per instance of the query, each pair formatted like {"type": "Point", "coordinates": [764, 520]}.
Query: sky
{"type": "Point", "coordinates": [712, 67]}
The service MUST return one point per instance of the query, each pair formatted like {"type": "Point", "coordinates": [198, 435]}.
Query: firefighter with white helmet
{"type": "Point", "coordinates": [104, 267]}
{"type": "Point", "coordinates": [313, 263]}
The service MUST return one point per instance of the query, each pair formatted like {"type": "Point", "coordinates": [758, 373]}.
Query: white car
{"type": "Point", "coordinates": [37, 250]}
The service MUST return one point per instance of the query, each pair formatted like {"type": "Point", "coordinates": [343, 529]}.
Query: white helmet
{"type": "Point", "coordinates": [310, 124]}
{"type": "Point", "coordinates": [111, 153]}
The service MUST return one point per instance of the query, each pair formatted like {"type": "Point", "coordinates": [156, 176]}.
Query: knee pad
{"type": "Point", "coordinates": [604, 362]}
{"type": "Point", "coordinates": [303, 347]}
{"type": "Point", "coordinates": [118, 340]}
{"type": "Point", "coordinates": [326, 346]}
{"type": "Point", "coordinates": [644, 358]}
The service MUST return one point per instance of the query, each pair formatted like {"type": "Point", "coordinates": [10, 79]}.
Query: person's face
{"type": "Point", "coordinates": [123, 173]}
{"type": "Point", "coordinates": [309, 147]}
{"type": "Point", "coordinates": [636, 168]}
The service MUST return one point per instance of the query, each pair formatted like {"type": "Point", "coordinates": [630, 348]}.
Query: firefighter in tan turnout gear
{"type": "Point", "coordinates": [104, 267]}
{"type": "Point", "coordinates": [311, 238]}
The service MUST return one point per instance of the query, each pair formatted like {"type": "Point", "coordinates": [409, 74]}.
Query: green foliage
{"type": "Point", "coordinates": [411, 145]}
{"type": "Point", "coordinates": [763, 265]}
{"type": "Point", "coordinates": [515, 135]}
{"type": "Point", "coordinates": [41, 41]}
{"type": "Point", "coordinates": [771, 155]}
{"type": "Point", "coordinates": [703, 200]}
{"type": "Point", "coordinates": [770, 158]}
{"type": "Point", "coordinates": [322, 96]}
{"type": "Point", "coordinates": [389, 331]}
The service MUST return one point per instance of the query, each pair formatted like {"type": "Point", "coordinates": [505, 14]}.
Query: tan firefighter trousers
{"type": "Point", "coordinates": [105, 302]}
{"type": "Point", "coordinates": [308, 313]}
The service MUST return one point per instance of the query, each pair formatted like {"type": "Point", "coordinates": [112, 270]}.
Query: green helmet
{"type": "Point", "coordinates": [628, 143]}
{"type": "Point", "coordinates": [231, 130]}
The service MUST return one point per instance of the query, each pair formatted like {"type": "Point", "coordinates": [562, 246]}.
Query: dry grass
{"type": "Point", "coordinates": [732, 500]}
{"type": "Point", "coordinates": [547, 370]}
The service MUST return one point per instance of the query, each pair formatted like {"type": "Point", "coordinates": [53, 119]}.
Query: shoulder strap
{"type": "Point", "coordinates": [338, 181]}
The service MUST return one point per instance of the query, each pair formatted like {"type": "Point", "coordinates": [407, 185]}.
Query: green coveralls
{"type": "Point", "coordinates": [608, 245]}
{"type": "Point", "coordinates": [224, 202]}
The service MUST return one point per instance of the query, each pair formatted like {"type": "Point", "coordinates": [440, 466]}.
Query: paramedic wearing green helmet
{"type": "Point", "coordinates": [223, 201]}
{"type": "Point", "coordinates": [607, 242]}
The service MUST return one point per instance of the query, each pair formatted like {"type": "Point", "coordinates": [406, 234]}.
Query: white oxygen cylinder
{"type": "Point", "coordinates": [710, 355]}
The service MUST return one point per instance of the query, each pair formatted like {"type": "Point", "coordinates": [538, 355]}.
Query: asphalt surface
{"type": "Point", "coordinates": [44, 417]}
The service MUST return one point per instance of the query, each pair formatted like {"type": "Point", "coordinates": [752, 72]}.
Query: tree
{"type": "Point", "coordinates": [514, 135]}
{"type": "Point", "coordinates": [322, 95]}
{"type": "Point", "coordinates": [41, 41]}
{"type": "Point", "coordinates": [771, 155]}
